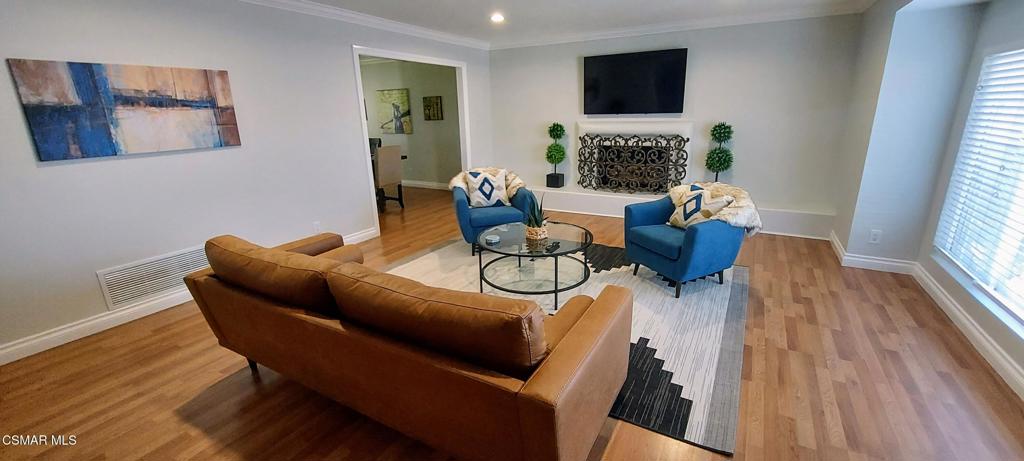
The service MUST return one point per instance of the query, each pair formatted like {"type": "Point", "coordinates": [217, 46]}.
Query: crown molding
{"type": "Point", "coordinates": [814, 11]}
{"type": "Point", "coordinates": [349, 16]}
{"type": "Point", "coordinates": [340, 14]}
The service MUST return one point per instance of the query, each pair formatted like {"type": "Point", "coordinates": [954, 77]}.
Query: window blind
{"type": "Point", "coordinates": [981, 227]}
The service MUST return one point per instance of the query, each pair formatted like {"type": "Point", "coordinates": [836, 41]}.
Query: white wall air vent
{"type": "Point", "coordinates": [141, 281]}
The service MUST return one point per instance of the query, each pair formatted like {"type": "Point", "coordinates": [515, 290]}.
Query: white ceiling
{"type": "Point", "coordinates": [535, 22]}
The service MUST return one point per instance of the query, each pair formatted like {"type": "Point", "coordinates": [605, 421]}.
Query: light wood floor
{"type": "Point", "coordinates": [839, 364]}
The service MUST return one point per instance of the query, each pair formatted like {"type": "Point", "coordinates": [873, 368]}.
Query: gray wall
{"type": "Point", "coordinates": [872, 50]}
{"type": "Point", "coordinates": [783, 86]}
{"type": "Point", "coordinates": [301, 159]}
{"type": "Point", "coordinates": [433, 147]}
{"type": "Point", "coordinates": [1000, 31]}
{"type": "Point", "coordinates": [924, 73]}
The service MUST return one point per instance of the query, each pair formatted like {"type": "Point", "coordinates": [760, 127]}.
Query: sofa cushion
{"type": "Point", "coordinates": [662, 239]}
{"type": "Point", "coordinates": [503, 334]}
{"type": "Point", "coordinates": [291, 278]}
{"type": "Point", "coordinates": [494, 215]}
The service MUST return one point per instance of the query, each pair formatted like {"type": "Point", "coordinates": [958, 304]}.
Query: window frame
{"type": "Point", "coordinates": [996, 303]}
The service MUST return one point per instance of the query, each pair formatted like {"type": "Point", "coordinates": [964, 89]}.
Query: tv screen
{"type": "Point", "coordinates": [649, 82]}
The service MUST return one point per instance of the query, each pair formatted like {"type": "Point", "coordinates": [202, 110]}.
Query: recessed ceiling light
{"type": "Point", "coordinates": [497, 18]}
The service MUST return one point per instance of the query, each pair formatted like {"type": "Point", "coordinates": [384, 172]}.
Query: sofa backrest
{"type": "Point", "coordinates": [503, 334]}
{"type": "Point", "coordinates": [291, 278]}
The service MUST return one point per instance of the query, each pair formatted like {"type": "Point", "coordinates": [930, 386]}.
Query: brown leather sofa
{"type": "Point", "coordinates": [482, 377]}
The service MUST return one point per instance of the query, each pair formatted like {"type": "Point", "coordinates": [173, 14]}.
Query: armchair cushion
{"type": "Point", "coordinates": [494, 215]}
{"type": "Point", "coordinates": [662, 239]}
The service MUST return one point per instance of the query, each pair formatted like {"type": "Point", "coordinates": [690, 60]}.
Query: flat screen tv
{"type": "Point", "coordinates": [649, 82]}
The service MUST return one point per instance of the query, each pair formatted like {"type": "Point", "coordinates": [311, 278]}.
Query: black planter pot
{"type": "Point", "coordinates": [556, 180]}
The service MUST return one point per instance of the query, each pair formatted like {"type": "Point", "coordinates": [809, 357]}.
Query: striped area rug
{"type": "Point", "coordinates": [686, 354]}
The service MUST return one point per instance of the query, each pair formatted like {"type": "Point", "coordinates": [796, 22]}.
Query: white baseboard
{"type": "Point", "coordinates": [64, 334]}
{"type": "Point", "coordinates": [899, 266]}
{"type": "Point", "coordinates": [804, 224]}
{"type": "Point", "coordinates": [425, 184]}
{"type": "Point", "coordinates": [1001, 361]}
{"type": "Point", "coordinates": [361, 236]}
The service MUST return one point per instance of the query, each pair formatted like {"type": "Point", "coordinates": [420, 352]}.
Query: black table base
{"type": "Point", "coordinates": [483, 278]}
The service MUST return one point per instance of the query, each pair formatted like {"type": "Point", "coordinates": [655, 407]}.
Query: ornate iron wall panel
{"type": "Point", "coordinates": [618, 163]}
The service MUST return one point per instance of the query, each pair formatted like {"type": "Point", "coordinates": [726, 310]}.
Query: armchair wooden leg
{"type": "Point", "coordinates": [636, 267]}
{"type": "Point", "coordinates": [679, 287]}
{"type": "Point", "coordinates": [253, 369]}
{"type": "Point", "coordinates": [721, 277]}
{"type": "Point", "coordinates": [401, 197]}
{"type": "Point", "coordinates": [382, 203]}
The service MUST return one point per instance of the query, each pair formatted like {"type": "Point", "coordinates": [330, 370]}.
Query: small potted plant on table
{"type": "Point", "coordinates": [536, 224]}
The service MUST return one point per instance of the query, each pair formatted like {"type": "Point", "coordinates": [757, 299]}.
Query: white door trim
{"type": "Point", "coordinates": [462, 87]}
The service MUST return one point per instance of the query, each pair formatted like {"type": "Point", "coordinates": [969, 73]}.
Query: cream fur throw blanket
{"type": "Point", "coordinates": [740, 213]}
{"type": "Point", "coordinates": [512, 181]}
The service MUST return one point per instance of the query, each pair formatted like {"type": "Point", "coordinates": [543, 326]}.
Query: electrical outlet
{"type": "Point", "coordinates": [316, 227]}
{"type": "Point", "coordinates": [876, 236]}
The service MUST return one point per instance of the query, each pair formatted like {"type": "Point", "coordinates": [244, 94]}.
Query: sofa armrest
{"type": "Point", "coordinates": [564, 404]}
{"type": "Point", "coordinates": [344, 254]}
{"type": "Point", "coordinates": [649, 213]}
{"type": "Point", "coordinates": [313, 245]}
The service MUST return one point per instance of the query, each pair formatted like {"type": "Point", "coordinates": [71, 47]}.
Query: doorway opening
{"type": "Point", "coordinates": [416, 129]}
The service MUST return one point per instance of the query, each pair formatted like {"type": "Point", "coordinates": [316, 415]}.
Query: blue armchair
{"type": "Point", "coordinates": [682, 255]}
{"type": "Point", "coordinates": [473, 221]}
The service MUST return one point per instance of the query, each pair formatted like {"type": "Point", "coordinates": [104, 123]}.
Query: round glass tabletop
{"type": "Point", "coordinates": [563, 239]}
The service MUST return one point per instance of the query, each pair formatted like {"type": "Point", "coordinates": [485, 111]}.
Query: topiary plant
{"type": "Point", "coordinates": [719, 158]}
{"type": "Point", "coordinates": [721, 132]}
{"type": "Point", "coordinates": [555, 154]}
{"type": "Point", "coordinates": [556, 131]}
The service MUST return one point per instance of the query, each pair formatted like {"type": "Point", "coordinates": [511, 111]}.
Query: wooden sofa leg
{"type": "Point", "coordinates": [636, 267]}
{"type": "Point", "coordinates": [721, 277]}
{"type": "Point", "coordinates": [253, 369]}
{"type": "Point", "coordinates": [679, 286]}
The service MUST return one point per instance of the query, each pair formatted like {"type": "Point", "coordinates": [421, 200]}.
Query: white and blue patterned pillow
{"type": "Point", "coordinates": [486, 190]}
{"type": "Point", "coordinates": [696, 205]}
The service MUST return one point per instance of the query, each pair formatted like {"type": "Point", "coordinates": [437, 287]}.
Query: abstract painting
{"type": "Point", "coordinates": [432, 109]}
{"type": "Point", "coordinates": [81, 110]}
{"type": "Point", "coordinates": [393, 112]}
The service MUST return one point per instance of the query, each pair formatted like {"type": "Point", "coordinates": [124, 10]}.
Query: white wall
{"type": "Point", "coordinates": [924, 72]}
{"type": "Point", "coordinates": [872, 50]}
{"type": "Point", "coordinates": [302, 157]}
{"type": "Point", "coordinates": [783, 86]}
{"type": "Point", "coordinates": [433, 147]}
{"type": "Point", "coordinates": [996, 335]}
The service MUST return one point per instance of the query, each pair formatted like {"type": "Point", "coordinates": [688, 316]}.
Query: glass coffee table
{"type": "Point", "coordinates": [531, 267]}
